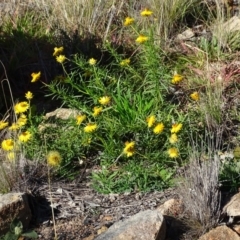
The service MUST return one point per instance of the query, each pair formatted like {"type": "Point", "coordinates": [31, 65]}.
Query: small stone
{"type": "Point", "coordinates": [186, 35]}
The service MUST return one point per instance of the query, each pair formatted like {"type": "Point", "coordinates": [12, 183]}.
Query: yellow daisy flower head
{"type": "Point", "coordinates": [177, 78]}
{"type": "Point", "coordinates": [80, 119]}
{"type": "Point", "coordinates": [173, 152]}
{"type": "Point", "coordinates": [125, 62]}
{"type": "Point", "coordinates": [11, 156]}
{"type": "Point", "coordinates": [158, 128]}
{"type": "Point", "coordinates": [129, 149]}
{"type": "Point", "coordinates": [104, 100]}
{"type": "Point", "coordinates": [128, 21]}
{"type": "Point", "coordinates": [151, 120]}
{"type": "Point", "coordinates": [90, 127]}
{"type": "Point", "coordinates": [146, 13]}
{"type": "Point", "coordinates": [25, 136]}
{"type": "Point", "coordinates": [21, 107]}
{"type": "Point", "coordinates": [61, 58]}
{"type": "Point", "coordinates": [195, 96]}
{"type": "Point", "coordinates": [57, 51]}
{"type": "Point", "coordinates": [7, 144]}
{"type": "Point", "coordinates": [141, 39]}
{"type": "Point", "coordinates": [97, 111]}
{"type": "Point", "coordinates": [29, 95]}
{"type": "Point", "coordinates": [3, 124]}
{"type": "Point", "coordinates": [173, 138]}
{"type": "Point", "coordinates": [176, 127]}
{"type": "Point", "coordinates": [21, 121]}
{"type": "Point", "coordinates": [35, 76]}
{"type": "Point", "coordinates": [54, 158]}
{"type": "Point", "coordinates": [14, 127]}
{"type": "Point", "coordinates": [92, 61]}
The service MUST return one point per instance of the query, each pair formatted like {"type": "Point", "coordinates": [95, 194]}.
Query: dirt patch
{"type": "Point", "coordinates": [82, 213]}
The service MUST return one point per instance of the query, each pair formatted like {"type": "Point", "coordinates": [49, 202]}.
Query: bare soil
{"type": "Point", "coordinates": [82, 213]}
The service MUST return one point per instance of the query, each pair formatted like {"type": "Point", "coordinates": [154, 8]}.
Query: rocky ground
{"type": "Point", "coordinates": [82, 213]}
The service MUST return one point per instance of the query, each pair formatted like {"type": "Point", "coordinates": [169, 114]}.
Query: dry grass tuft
{"type": "Point", "coordinates": [200, 187]}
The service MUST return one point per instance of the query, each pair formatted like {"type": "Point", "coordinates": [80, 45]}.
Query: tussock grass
{"type": "Point", "coordinates": [199, 187]}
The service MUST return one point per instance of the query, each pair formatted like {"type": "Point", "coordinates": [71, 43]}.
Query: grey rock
{"type": "Point", "coordinates": [232, 208]}
{"type": "Point", "coordinates": [149, 224]}
{"type": "Point", "coordinates": [14, 206]}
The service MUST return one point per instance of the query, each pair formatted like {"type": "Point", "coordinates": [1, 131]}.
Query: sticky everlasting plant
{"type": "Point", "coordinates": [124, 112]}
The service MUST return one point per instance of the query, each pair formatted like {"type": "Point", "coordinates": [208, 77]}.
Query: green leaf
{"type": "Point", "coordinates": [30, 234]}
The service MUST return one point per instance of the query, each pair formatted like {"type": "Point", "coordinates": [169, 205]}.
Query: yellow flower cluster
{"type": "Point", "coordinates": [7, 144]}
{"type": "Point", "coordinates": [54, 158]}
{"type": "Point", "coordinates": [3, 124]}
{"type": "Point", "coordinates": [21, 107]}
{"type": "Point", "coordinates": [97, 111]}
{"type": "Point", "coordinates": [129, 148]}
{"type": "Point", "coordinates": [80, 119]}
{"type": "Point", "coordinates": [29, 95]}
{"type": "Point", "coordinates": [177, 78]}
{"type": "Point", "coordinates": [57, 53]}
{"type": "Point", "coordinates": [35, 77]}
{"type": "Point", "coordinates": [159, 127]}
{"type": "Point", "coordinates": [92, 61]}
{"type": "Point", "coordinates": [105, 100]}
{"type": "Point", "coordinates": [146, 13]}
{"type": "Point", "coordinates": [25, 136]}
{"type": "Point", "coordinates": [141, 39]}
{"type": "Point", "coordinates": [195, 96]}
{"type": "Point", "coordinates": [125, 62]}
{"type": "Point", "coordinates": [173, 152]}
{"type": "Point", "coordinates": [90, 127]}
{"type": "Point", "coordinates": [128, 21]}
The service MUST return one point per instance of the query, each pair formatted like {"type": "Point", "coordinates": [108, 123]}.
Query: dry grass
{"type": "Point", "coordinates": [199, 187]}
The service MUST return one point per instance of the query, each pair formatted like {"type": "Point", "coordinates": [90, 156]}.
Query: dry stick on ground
{"type": "Point", "coordinates": [51, 199]}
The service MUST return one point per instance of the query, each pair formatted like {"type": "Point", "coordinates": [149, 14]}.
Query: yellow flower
{"type": "Point", "coordinates": [29, 95]}
{"type": "Point", "coordinates": [129, 149]}
{"type": "Point", "coordinates": [3, 124]}
{"type": "Point", "coordinates": [159, 128]}
{"type": "Point", "coordinates": [104, 100]}
{"type": "Point", "coordinates": [60, 58]}
{"type": "Point", "coordinates": [151, 120]}
{"type": "Point", "coordinates": [177, 78]}
{"type": "Point", "coordinates": [173, 152]}
{"type": "Point", "coordinates": [54, 158]}
{"type": "Point", "coordinates": [22, 120]}
{"type": "Point", "coordinates": [91, 127]}
{"type": "Point", "coordinates": [173, 138]}
{"type": "Point", "coordinates": [25, 136]}
{"type": "Point", "coordinates": [128, 21]}
{"type": "Point", "coordinates": [92, 61]}
{"type": "Point", "coordinates": [35, 76]}
{"type": "Point", "coordinates": [8, 144]}
{"type": "Point", "coordinates": [80, 119]}
{"type": "Point", "coordinates": [57, 51]}
{"type": "Point", "coordinates": [11, 156]}
{"type": "Point", "coordinates": [21, 107]}
{"type": "Point", "coordinates": [125, 62]}
{"type": "Point", "coordinates": [14, 127]}
{"type": "Point", "coordinates": [141, 39]}
{"type": "Point", "coordinates": [146, 13]}
{"type": "Point", "coordinates": [176, 127]}
{"type": "Point", "coordinates": [195, 96]}
{"type": "Point", "coordinates": [97, 111]}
